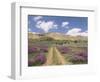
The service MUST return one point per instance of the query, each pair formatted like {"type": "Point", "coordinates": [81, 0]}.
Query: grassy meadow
{"type": "Point", "coordinates": [56, 49]}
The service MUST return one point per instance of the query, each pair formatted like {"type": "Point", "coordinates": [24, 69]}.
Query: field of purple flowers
{"type": "Point", "coordinates": [37, 55]}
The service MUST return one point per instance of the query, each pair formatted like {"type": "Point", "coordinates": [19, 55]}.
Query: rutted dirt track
{"type": "Point", "coordinates": [54, 57]}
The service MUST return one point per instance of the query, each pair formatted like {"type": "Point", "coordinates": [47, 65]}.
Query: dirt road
{"type": "Point", "coordinates": [54, 57]}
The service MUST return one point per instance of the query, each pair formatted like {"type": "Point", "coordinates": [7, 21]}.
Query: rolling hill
{"type": "Point", "coordinates": [55, 36]}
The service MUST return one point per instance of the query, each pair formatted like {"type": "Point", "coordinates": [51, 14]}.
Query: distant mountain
{"type": "Point", "coordinates": [56, 36]}
{"type": "Point", "coordinates": [32, 35]}
{"type": "Point", "coordinates": [59, 36]}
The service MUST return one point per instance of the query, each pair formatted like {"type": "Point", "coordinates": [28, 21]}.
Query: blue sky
{"type": "Point", "coordinates": [61, 24]}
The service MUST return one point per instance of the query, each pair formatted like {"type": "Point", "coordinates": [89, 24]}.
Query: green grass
{"type": "Point", "coordinates": [75, 47]}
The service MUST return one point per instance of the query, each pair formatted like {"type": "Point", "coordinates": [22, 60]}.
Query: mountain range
{"type": "Point", "coordinates": [55, 36]}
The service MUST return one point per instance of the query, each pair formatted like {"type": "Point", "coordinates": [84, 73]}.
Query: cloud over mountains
{"type": "Point", "coordinates": [46, 24]}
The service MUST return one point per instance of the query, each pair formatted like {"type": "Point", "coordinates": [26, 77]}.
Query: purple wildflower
{"type": "Point", "coordinates": [37, 60]}
{"type": "Point", "coordinates": [32, 49]}
{"type": "Point", "coordinates": [79, 58]}
{"type": "Point", "coordinates": [44, 49]}
{"type": "Point", "coordinates": [40, 58]}
{"type": "Point", "coordinates": [63, 50]}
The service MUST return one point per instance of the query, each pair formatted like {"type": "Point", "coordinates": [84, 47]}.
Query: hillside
{"type": "Point", "coordinates": [33, 36]}
{"type": "Point", "coordinates": [55, 36]}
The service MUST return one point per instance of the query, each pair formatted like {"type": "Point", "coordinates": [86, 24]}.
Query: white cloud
{"type": "Point", "coordinates": [29, 30]}
{"type": "Point", "coordinates": [39, 22]}
{"type": "Point", "coordinates": [83, 34]}
{"type": "Point", "coordinates": [76, 32]}
{"type": "Point", "coordinates": [46, 25]}
{"type": "Point", "coordinates": [65, 24]}
{"type": "Point", "coordinates": [55, 26]}
{"type": "Point", "coordinates": [37, 18]}
{"type": "Point", "coordinates": [35, 33]}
